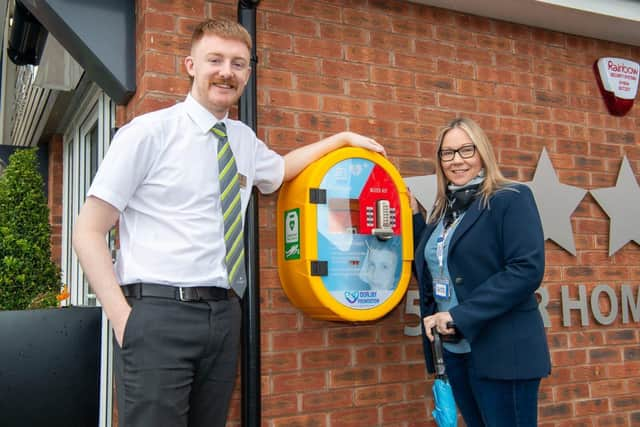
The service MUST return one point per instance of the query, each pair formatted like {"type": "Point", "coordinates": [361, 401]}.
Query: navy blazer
{"type": "Point", "coordinates": [496, 262]}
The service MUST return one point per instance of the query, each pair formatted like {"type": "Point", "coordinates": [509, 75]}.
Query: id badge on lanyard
{"type": "Point", "coordinates": [441, 287]}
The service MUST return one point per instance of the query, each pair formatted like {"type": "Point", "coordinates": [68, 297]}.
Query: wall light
{"type": "Point", "coordinates": [27, 37]}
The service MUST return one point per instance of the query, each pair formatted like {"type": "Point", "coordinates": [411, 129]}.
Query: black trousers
{"type": "Point", "coordinates": [178, 363]}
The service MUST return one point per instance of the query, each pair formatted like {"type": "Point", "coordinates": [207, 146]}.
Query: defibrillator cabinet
{"type": "Point", "coordinates": [344, 237]}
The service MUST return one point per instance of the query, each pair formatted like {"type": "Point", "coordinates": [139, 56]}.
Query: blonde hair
{"type": "Point", "coordinates": [493, 178]}
{"type": "Point", "coordinates": [223, 28]}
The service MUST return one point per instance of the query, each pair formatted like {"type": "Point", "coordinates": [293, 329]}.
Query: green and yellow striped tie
{"type": "Point", "coordinates": [231, 211]}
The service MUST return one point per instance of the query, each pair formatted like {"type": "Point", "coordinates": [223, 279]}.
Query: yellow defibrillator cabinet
{"type": "Point", "coordinates": [344, 237]}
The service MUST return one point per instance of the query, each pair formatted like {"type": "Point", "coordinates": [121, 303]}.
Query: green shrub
{"type": "Point", "coordinates": [28, 276]}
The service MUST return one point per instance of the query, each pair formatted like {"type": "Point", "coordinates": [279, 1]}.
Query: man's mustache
{"type": "Point", "coordinates": [230, 81]}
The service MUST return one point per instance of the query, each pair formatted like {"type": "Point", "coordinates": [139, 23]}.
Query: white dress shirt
{"type": "Point", "coordinates": [161, 173]}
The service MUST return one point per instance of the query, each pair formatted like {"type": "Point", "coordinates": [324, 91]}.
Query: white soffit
{"type": "Point", "coordinates": [612, 20]}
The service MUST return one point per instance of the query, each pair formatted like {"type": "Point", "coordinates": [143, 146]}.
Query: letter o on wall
{"type": "Point", "coordinates": [595, 306]}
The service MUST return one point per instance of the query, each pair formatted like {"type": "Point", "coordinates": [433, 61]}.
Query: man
{"type": "Point", "coordinates": [175, 321]}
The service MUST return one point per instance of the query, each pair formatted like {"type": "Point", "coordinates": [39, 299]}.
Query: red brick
{"type": "Point", "coordinates": [297, 340]}
{"type": "Point", "coordinates": [282, 99]}
{"type": "Point", "coordinates": [592, 407]}
{"type": "Point", "coordinates": [161, 63]}
{"type": "Point", "coordinates": [373, 127]}
{"type": "Point", "coordinates": [166, 43]}
{"type": "Point", "coordinates": [291, 25]}
{"type": "Point", "coordinates": [360, 90]}
{"type": "Point", "coordinates": [474, 55]}
{"type": "Point", "coordinates": [455, 69]}
{"type": "Point", "coordinates": [569, 87]}
{"type": "Point", "coordinates": [452, 34]}
{"type": "Point", "coordinates": [347, 335]}
{"type": "Point", "coordinates": [429, 49]}
{"type": "Point", "coordinates": [569, 357]}
{"type": "Point", "coordinates": [586, 338]}
{"type": "Point", "coordinates": [354, 417]}
{"type": "Point", "coordinates": [572, 392]}
{"type": "Point", "coordinates": [402, 372]}
{"type": "Point", "coordinates": [392, 76]}
{"type": "Point", "coordinates": [362, 18]}
{"type": "Point", "coordinates": [316, 11]}
{"type": "Point", "coordinates": [320, 85]}
{"type": "Point", "coordinates": [341, 69]}
{"type": "Point", "coordinates": [297, 382]}
{"type": "Point", "coordinates": [154, 21]}
{"type": "Point", "coordinates": [274, 40]}
{"type": "Point", "coordinates": [416, 411]}
{"type": "Point", "coordinates": [344, 33]}
{"type": "Point", "coordinates": [279, 405]}
{"type": "Point", "coordinates": [293, 63]}
{"type": "Point", "coordinates": [317, 48]}
{"type": "Point", "coordinates": [461, 103]}
{"type": "Point", "coordinates": [394, 111]}
{"type": "Point", "coordinates": [269, 78]}
{"type": "Point", "coordinates": [377, 355]}
{"type": "Point", "coordinates": [195, 8]}
{"type": "Point", "coordinates": [434, 82]}
{"type": "Point", "coordinates": [475, 88]}
{"type": "Point", "coordinates": [279, 362]}
{"type": "Point", "coordinates": [186, 26]}
{"type": "Point", "coordinates": [348, 106]}
{"type": "Point", "coordinates": [394, 42]}
{"type": "Point", "coordinates": [326, 358]}
{"type": "Point", "coordinates": [326, 400]}
{"type": "Point", "coordinates": [608, 388]}
{"type": "Point", "coordinates": [349, 377]}
{"type": "Point", "coordinates": [378, 395]}
{"type": "Point", "coordinates": [367, 55]}
{"type": "Point", "coordinates": [417, 133]}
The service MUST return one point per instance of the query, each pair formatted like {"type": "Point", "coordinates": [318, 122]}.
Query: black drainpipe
{"type": "Point", "coordinates": [250, 360]}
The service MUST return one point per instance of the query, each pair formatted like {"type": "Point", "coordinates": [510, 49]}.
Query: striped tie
{"type": "Point", "coordinates": [231, 211]}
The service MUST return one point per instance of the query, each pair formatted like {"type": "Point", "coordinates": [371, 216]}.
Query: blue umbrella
{"type": "Point", "coordinates": [445, 405]}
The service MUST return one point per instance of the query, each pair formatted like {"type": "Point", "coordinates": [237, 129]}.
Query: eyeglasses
{"type": "Point", "coordinates": [466, 152]}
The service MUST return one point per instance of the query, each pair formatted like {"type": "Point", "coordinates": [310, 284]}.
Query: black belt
{"type": "Point", "coordinates": [188, 294]}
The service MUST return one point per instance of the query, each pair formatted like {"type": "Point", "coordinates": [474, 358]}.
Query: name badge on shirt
{"type": "Point", "coordinates": [243, 180]}
{"type": "Point", "coordinates": [441, 289]}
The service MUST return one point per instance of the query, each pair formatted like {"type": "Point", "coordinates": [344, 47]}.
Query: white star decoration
{"type": "Point", "coordinates": [622, 205]}
{"type": "Point", "coordinates": [556, 203]}
{"type": "Point", "coordinates": [423, 188]}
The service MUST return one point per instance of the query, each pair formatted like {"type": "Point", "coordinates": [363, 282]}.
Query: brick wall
{"type": "Point", "coordinates": [398, 71]}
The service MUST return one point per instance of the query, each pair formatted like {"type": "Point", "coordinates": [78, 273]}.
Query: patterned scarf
{"type": "Point", "coordinates": [459, 197]}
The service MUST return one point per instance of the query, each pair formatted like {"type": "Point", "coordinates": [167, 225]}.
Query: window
{"type": "Point", "coordinates": [86, 140]}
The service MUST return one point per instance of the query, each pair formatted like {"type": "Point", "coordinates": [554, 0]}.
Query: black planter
{"type": "Point", "coordinates": [50, 367]}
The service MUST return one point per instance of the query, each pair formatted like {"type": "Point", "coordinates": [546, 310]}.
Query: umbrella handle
{"type": "Point", "coordinates": [436, 350]}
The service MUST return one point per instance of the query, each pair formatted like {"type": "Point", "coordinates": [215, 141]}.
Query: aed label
{"type": "Point", "coordinates": [292, 234]}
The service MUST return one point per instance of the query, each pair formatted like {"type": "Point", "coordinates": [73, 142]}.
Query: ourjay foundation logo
{"type": "Point", "coordinates": [362, 299]}
{"type": "Point", "coordinates": [351, 297]}
{"type": "Point", "coordinates": [618, 82]}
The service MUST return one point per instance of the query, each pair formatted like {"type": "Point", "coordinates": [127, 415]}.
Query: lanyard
{"type": "Point", "coordinates": [440, 243]}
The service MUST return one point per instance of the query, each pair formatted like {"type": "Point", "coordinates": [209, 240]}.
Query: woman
{"type": "Point", "coordinates": [479, 260]}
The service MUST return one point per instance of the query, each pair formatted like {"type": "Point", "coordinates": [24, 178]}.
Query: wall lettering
{"type": "Point", "coordinates": [626, 305]}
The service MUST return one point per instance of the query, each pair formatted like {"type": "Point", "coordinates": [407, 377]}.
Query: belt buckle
{"type": "Point", "coordinates": [188, 294]}
{"type": "Point", "coordinates": [181, 295]}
